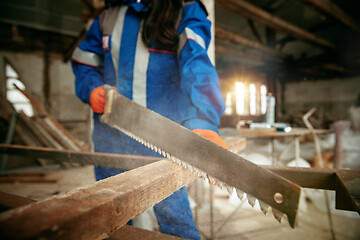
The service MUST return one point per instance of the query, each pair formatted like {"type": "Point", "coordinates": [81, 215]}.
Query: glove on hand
{"type": "Point", "coordinates": [212, 136]}
{"type": "Point", "coordinates": [98, 99]}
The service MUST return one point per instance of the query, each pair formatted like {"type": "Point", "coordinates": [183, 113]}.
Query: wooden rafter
{"type": "Point", "coordinates": [95, 211]}
{"type": "Point", "coordinates": [331, 9]}
{"type": "Point", "coordinates": [255, 13]}
{"type": "Point", "coordinates": [254, 30]}
{"type": "Point", "coordinates": [241, 55]}
{"type": "Point", "coordinates": [241, 40]}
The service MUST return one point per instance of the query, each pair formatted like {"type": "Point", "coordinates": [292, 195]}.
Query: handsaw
{"type": "Point", "coordinates": [203, 157]}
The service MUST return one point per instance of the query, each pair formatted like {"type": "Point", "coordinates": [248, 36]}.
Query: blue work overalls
{"type": "Point", "coordinates": [181, 85]}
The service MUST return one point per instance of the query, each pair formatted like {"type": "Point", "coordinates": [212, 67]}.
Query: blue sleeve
{"type": "Point", "coordinates": [199, 79]}
{"type": "Point", "coordinates": [87, 76]}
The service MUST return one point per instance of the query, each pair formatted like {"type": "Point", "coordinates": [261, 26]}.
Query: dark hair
{"type": "Point", "coordinates": [160, 24]}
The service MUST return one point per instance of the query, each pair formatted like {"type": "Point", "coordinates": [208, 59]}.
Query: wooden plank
{"type": "Point", "coordinates": [126, 232]}
{"type": "Point", "coordinates": [13, 201]}
{"type": "Point", "coordinates": [61, 134]}
{"type": "Point", "coordinates": [305, 177]}
{"type": "Point", "coordinates": [317, 178]}
{"type": "Point", "coordinates": [348, 191]}
{"type": "Point", "coordinates": [253, 12]}
{"type": "Point", "coordinates": [7, 180]}
{"type": "Point", "coordinates": [52, 133]}
{"type": "Point", "coordinates": [33, 128]}
{"type": "Point", "coordinates": [122, 161]}
{"type": "Point", "coordinates": [43, 112]}
{"type": "Point", "coordinates": [95, 211]}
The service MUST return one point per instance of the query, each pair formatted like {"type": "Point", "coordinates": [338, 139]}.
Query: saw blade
{"type": "Point", "coordinates": [200, 155]}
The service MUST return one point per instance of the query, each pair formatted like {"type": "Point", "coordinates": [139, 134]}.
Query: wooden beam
{"type": "Point", "coordinates": [255, 13]}
{"type": "Point", "coordinates": [125, 233]}
{"type": "Point", "coordinates": [69, 51]}
{"type": "Point", "coordinates": [122, 161]}
{"type": "Point", "coordinates": [13, 201]}
{"type": "Point", "coordinates": [241, 40]}
{"type": "Point", "coordinates": [240, 55]}
{"type": "Point", "coordinates": [334, 11]}
{"type": "Point", "coordinates": [254, 30]}
{"type": "Point", "coordinates": [95, 211]}
{"type": "Point", "coordinates": [348, 191]}
{"type": "Point", "coordinates": [50, 120]}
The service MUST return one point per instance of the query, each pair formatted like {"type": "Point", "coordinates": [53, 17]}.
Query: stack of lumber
{"type": "Point", "coordinates": [40, 130]}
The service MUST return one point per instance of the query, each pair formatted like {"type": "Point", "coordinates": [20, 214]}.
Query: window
{"type": "Point", "coordinates": [228, 104]}
{"type": "Point", "coordinates": [263, 93]}
{"type": "Point", "coordinates": [240, 98]}
{"type": "Point", "coordinates": [249, 99]}
{"type": "Point", "coordinates": [252, 92]}
{"type": "Point", "coordinates": [14, 96]}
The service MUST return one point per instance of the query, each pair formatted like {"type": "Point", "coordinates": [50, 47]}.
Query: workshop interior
{"type": "Point", "coordinates": [270, 94]}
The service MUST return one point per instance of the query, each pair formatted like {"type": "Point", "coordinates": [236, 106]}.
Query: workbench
{"type": "Point", "coordinates": [272, 134]}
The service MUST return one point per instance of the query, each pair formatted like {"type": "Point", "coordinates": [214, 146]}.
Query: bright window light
{"type": "Point", "coordinates": [252, 90]}
{"type": "Point", "coordinates": [10, 72]}
{"type": "Point", "coordinates": [240, 98]}
{"type": "Point", "coordinates": [228, 104]}
{"type": "Point", "coordinates": [263, 92]}
{"type": "Point", "coordinates": [14, 96]}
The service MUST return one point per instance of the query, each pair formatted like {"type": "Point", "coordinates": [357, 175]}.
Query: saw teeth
{"type": "Point", "coordinates": [203, 175]}
{"type": "Point", "coordinates": [240, 194]}
{"type": "Point", "coordinates": [251, 200]}
{"type": "Point", "coordinates": [211, 180]}
{"type": "Point", "coordinates": [197, 171]}
{"type": "Point", "coordinates": [277, 214]}
{"type": "Point", "coordinates": [179, 162]}
{"type": "Point", "coordinates": [230, 189]}
{"type": "Point", "coordinates": [221, 184]}
{"type": "Point", "coordinates": [264, 207]}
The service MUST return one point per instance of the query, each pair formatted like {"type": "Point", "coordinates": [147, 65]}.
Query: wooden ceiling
{"type": "Point", "coordinates": [291, 40]}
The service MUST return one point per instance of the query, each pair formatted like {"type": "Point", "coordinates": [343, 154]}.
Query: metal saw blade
{"type": "Point", "coordinates": [178, 143]}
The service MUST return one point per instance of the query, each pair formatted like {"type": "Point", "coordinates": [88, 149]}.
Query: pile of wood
{"type": "Point", "coordinates": [40, 130]}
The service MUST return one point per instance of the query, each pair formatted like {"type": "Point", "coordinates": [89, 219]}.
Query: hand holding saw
{"type": "Point", "coordinates": [203, 157]}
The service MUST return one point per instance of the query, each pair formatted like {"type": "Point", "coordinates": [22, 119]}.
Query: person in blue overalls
{"type": "Point", "coordinates": [155, 53]}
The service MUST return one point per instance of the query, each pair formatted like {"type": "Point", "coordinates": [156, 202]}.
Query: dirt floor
{"type": "Point", "coordinates": [231, 218]}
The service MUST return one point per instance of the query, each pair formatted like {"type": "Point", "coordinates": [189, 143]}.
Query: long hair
{"type": "Point", "coordinates": [159, 28]}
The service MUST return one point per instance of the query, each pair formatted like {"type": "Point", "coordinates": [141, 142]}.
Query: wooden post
{"type": "Point", "coordinates": [98, 210]}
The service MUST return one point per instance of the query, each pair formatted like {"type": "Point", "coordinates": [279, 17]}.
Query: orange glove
{"type": "Point", "coordinates": [212, 136]}
{"type": "Point", "coordinates": [98, 99]}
